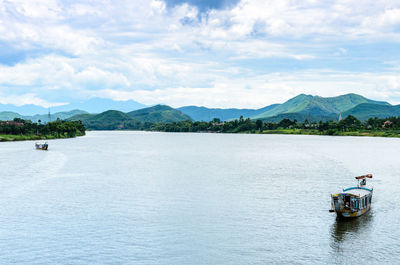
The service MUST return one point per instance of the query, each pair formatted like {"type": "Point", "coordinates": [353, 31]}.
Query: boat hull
{"type": "Point", "coordinates": [42, 147]}
{"type": "Point", "coordinates": [352, 202]}
{"type": "Point", "coordinates": [350, 214]}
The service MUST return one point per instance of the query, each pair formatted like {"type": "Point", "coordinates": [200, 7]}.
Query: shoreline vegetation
{"type": "Point", "coordinates": [316, 132]}
{"type": "Point", "coordinates": [22, 130]}
{"type": "Point", "coordinates": [350, 126]}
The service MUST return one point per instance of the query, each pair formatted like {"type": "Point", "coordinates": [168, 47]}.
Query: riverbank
{"type": "Point", "coordinates": [386, 133]}
{"type": "Point", "coordinates": [31, 137]}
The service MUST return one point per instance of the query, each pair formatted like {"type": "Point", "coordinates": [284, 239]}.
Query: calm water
{"type": "Point", "coordinates": [156, 198]}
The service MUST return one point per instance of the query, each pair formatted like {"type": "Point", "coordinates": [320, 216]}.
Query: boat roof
{"type": "Point", "coordinates": [358, 191]}
{"type": "Point", "coordinates": [364, 176]}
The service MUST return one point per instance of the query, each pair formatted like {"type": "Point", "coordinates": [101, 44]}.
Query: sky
{"type": "Point", "coordinates": [214, 53]}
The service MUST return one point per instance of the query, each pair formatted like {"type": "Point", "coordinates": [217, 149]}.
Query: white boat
{"type": "Point", "coordinates": [353, 201]}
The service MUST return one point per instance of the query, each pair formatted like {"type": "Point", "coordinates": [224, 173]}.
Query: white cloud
{"type": "Point", "coordinates": [223, 58]}
{"type": "Point", "coordinates": [296, 18]}
{"type": "Point", "coordinates": [29, 98]}
{"type": "Point", "coordinates": [261, 90]}
{"type": "Point", "coordinates": [36, 9]}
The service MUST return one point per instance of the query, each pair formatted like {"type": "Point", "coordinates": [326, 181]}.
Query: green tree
{"type": "Point", "coordinates": [259, 125]}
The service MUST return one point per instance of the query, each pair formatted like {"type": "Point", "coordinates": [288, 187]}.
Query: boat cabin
{"type": "Point", "coordinates": [353, 201]}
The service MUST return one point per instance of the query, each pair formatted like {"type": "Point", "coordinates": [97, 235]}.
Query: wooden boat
{"type": "Point", "coordinates": [353, 201]}
{"type": "Point", "coordinates": [44, 146]}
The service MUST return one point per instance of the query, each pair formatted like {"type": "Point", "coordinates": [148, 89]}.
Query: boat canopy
{"type": "Point", "coordinates": [364, 176]}
{"type": "Point", "coordinates": [357, 191]}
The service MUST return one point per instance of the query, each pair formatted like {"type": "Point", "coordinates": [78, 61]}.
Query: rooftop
{"type": "Point", "coordinates": [358, 191]}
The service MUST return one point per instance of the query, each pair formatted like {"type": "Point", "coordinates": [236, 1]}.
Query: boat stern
{"type": "Point", "coordinates": [336, 204]}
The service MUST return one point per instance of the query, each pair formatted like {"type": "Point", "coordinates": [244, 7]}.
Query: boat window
{"type": "Point", "coordinates": [347, 201]}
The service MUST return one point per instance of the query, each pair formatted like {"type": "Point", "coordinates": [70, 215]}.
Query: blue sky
{"type": "Point", "coordinates": [248, 53]}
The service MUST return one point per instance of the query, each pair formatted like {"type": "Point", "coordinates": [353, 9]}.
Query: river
{"type": "Point", "coordinates": [180, 198]}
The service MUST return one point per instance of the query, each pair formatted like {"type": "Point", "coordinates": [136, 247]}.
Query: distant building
{"type": "Point", "coordinates": [340, 116]}
{"type": "Point", "coordinates": [387, 124]}
{"type": "Point", "coordinates": [12, 123]}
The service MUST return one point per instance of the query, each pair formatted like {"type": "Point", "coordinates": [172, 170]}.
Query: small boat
{"type": "Point", "coordinates": [353, 201]}
{"type": "Point", "coordinates": [44, 146]}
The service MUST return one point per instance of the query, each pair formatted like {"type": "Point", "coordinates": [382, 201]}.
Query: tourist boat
{"type": "Point", "coordinates": [353, 201]}
{"type": "Point", "coordinates": [44, 146]}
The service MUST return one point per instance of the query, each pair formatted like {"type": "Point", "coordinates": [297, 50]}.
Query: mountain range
{"type": "Point", "coordinates": [138, 119]}
{"type": "Point", "coordinates": [93, 105]}
{"type": "Point", "coordinates": [318, 108]}
{"type": "Point", "coordinates": [207, 114]}
{"type": "Point", "coordinates": [301, 107]}
{"type": "Point", "coordinates": [9, 115]}
{"type": "Point", "coordinates": [365, 111]}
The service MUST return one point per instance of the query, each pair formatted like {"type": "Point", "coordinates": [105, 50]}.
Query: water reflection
{"type": "Point", "coordinates": [344, 230]}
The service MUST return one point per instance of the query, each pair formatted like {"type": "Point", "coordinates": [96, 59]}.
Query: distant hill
{"type": "Point", "coordinates": [58, 115]}
{"type": "Point", "coordinates": [207, 114]}
{"type": "Point", "coordinates": [300, 117]}
{"type": "Point", "coordinates": [316, 106]}
{"type": "Point", "coordinates": [301, 107]}
{"type": "Point", "coordinates": [158, 113]}
{"type": "Point", "coordinates": [94, 105]}
{"type": "Point", "coordinates": [8, 115]}
{"type": "Point", "coordinates": [135, 120]}
{"type": "Point", "coordinates": [98, 105]}
{"type": "Point", "coordinates": [368, 110]}
{"type": "Point", "coordinates": [108, 120]}
{"type": "Point", "coordinates": [108, 115]}
{"type": "Point", "coordinates": [24, 110]}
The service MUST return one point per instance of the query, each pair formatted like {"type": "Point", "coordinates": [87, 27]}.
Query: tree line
{"type": "Point", "coordinates": [349, 124]}
{"type": "Point", "coordinates": [58, 128]}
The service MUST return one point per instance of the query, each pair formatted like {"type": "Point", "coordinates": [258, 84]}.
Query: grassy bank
{"type": "Point", "coordinates": [381, 133]}
{"type": "Point", "coordinates": [27, 137]}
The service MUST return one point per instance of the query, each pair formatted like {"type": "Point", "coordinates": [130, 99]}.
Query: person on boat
{"type": "Point", "coordinates": [363, 182]}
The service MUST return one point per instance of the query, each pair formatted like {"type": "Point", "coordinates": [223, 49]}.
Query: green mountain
{"type": "Point", "coordinates": [8, 115]}
{"type": "Point", "coordinates": [135, 120]}
{"type": "Point", "coordinates": [316, 106]}
{"type": "Point", "coordinates": [158, 113]}
{"type": "Point", "coordinates": [300, 117]}
{"type": "Point", "coordinates": [109, 115]}
{"type": "Point", "coordinates": [108, 120]}
{"type": "Point", "coordinates": [368, 110]}
{"type": "Point", "coordinates": [81, 117]}
{"type": "Point", "coordinates": [207, 114]}
{"type": "Point", "coordinates": [59, 115]}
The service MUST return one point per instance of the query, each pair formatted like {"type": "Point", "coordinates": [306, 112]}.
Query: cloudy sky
{"type": "Point", "coordinates": [216, 53]}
